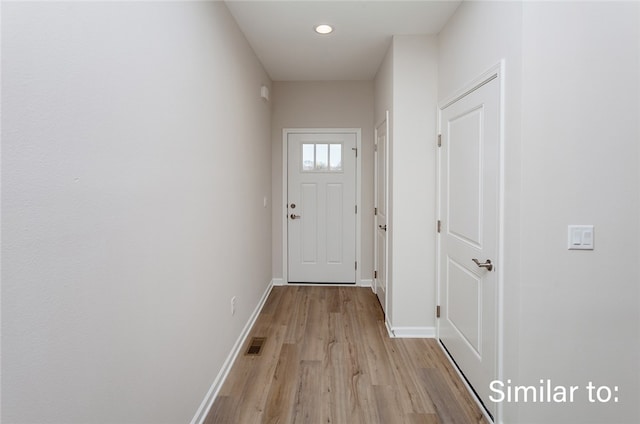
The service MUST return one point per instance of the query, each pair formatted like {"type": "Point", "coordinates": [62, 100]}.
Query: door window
{"type": "Point", "coordinates": [322, 157]}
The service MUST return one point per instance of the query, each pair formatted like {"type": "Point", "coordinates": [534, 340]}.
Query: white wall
{"type": "Point", "coordinates": [330, 104]}
{"type": "Point", "coordinates": [572, 94]}
{"type": "Point", "coordinates": [383, 87]}
{"type": "Point", "coordinates": [406, 84]}
{"type": "Point", "coordinates": [581, 311]}
{"type": "Point", "coordinates": [133, 174]}
{"type": "Point", "coordinates": [413, 153]}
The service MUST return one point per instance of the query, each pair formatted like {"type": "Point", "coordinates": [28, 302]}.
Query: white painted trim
{"type": "Point", "coordinates": [365, 283]}
{"type": "Point", "coordinates": [476, 83]}
{"type": "Point", "coordinates": [277, 282]}
{"type": "Point", "coordinates": [359, 205]}
{"type": "Point", "coordinates": [414, 332]}
{"type": "Point", "coordinates": [322, 285]}
{"type": "Point", "coordinates": [285, 164]}
{"type": "Point", "coordinates": [496, 71]}
{"type": "Point", "coordinates": [285, 199]}
{"type": "Point", "coordinates": [206, 404]}
{"type": "Point", "coordinates": [501, 239]}
{"type": "Point", "coordinates": [388, 326]}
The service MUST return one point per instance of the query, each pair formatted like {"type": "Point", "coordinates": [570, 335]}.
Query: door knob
{"type": "Point", "coordinates": [486, 264]}
{"type": "Point", "coordinates": [383, 227]}
{"type": "Point", "coordinates": [294, 216]}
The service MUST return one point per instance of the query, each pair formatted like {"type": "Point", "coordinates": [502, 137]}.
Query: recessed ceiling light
{"type": "Point", "coordinates": [323, 29]}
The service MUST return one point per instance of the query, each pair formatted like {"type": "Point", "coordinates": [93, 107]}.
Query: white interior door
{"type": "Point", "coordinates": [469, 190]}
{"type": "Point", "coordinates": [321, 207]}
{"type": "Point", "coordinates": [381, 200]}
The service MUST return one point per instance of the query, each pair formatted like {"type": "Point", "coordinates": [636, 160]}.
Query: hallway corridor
{"type": "Point", "coordinates": [327, 358]}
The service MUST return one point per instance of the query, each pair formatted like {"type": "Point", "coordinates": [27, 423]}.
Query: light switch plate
{"type": "Point", "coordinates": [580, 237]}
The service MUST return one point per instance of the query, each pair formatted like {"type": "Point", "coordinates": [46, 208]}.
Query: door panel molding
{"type": "Point", "coordinates": [285, 164]}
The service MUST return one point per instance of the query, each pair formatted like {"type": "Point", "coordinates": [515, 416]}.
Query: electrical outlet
{"type": "Point", "coordinates": [233, 305]}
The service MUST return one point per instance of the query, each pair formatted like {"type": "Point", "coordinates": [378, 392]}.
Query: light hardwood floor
{"type": "Point", "coordinates": [328, 359]}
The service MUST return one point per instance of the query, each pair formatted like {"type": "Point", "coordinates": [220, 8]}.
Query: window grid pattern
{"type": "Point", "coordinates": [322, 157]}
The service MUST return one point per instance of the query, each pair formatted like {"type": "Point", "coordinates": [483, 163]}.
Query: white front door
{"type": "Point", "coordinates": [381, 199]}
{"type": "Point", "coordinates": [321, 207]}
{"type": "Point", "coordinates": [469, 190]}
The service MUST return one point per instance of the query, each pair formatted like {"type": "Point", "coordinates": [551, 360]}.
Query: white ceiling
{"type": "Point", "coordinates": [281, 33]}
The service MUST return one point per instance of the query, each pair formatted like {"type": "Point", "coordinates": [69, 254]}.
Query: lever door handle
{"type": "Point", "coordinates": [383, 227]}
{"type": "Point", "coordinates": [294, 216]}
{"type": "Point", "coordinates": [486, 264]}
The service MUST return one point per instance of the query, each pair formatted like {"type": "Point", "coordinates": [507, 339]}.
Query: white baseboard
{"type": "Point", "coordinates": [365, 283]}
{"type": "Point", "coordinates": [281, 282]}
{"type": "Point", "coordinates": [388, 327]}
{"type": "Point", "coordinates": [206, 404]}
{"type": "Point", "coordinates": [414, 332]}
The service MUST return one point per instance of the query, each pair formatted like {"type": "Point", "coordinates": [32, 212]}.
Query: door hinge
{"type": "Point", "coordinates": [356, 208]}
{"type": "Point", "coordinates": [375, 211]}
{"type": "Point", "coordinates": [356, 265]}
{"type": "Point", "coordinates": [355, 149]}
{"type": "Point", "coordinates": [439, 225]}
{"type": "Point", "coordinates": [438, 311]}
{"type": "Point", "coordinates": [375, 274]}
{"type": "Point", "coordinates": [375, 147]}
{"type": "Point", "coordinates": [439, 140]}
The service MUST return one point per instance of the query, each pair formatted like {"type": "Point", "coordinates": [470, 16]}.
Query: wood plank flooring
{"type": "Point", "coordinates": [328, 359]}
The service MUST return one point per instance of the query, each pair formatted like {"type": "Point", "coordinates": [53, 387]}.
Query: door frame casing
{"type": "Point", "coordinates": [285, 182]}
{"type": "Point", "coordinates": [495, 72]}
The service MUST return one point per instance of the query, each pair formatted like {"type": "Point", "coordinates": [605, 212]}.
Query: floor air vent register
{"type": "Point", "coordinates": [255, 347]}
